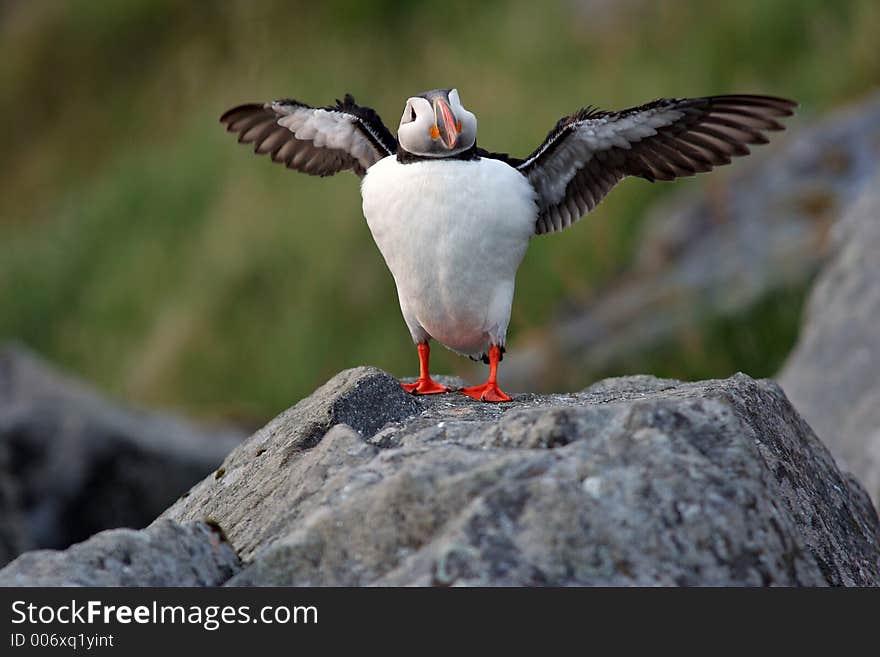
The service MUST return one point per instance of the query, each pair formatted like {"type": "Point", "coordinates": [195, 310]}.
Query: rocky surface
{"type": "Point", "coordinates": [258, 492]}
{"type": "Point", "coordinates": [832, 374]}
{"type": "Point", "coordinates": [632, 481]}
{"type": "Point", "coordinates": [758, 229]}
{"type": "Point", "coordinates": [73, 463]}
{"type": "Point", "coordinates": [165, 554]}
{"type": "Point", "coordinates": [635, 480]}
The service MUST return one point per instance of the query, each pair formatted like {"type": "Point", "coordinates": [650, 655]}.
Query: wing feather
{"type": "Point", "coordinates": [589, 152]}
{"type": "Point", "coordinates": [320, 141]}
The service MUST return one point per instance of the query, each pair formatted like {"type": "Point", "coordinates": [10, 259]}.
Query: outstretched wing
{"type": "Point", "coordinates": [589, 152]}
{"type": "Point", "coordinates": [319, 141]}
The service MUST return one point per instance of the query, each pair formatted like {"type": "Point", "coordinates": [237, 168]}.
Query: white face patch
{"type": "Point", "coordinates": [468, 134]}
{"type": "Point", "coordinates": [414, 132]}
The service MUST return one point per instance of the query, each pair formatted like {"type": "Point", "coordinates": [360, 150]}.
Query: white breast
{"type": "Point", "coordinates": [453, 234]}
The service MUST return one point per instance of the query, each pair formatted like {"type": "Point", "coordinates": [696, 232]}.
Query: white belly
{"type": "Point", "coordinates": [453, 234]}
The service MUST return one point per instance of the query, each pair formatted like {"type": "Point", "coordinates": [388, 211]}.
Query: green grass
{"type": "Point", "coordinates": [146, 251]}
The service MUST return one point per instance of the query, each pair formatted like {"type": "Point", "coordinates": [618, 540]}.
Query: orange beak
{"type": "Point", "coordinates": [445, 125]}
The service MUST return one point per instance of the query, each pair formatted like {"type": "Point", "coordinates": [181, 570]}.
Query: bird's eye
{"type": "Point", "coordinates": [412, 114]}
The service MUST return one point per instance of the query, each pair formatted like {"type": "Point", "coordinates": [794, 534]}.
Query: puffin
{"type": "Point", "coordinates": [453, 220]}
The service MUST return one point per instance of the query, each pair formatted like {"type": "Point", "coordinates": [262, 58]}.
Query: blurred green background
{"type": "Point", "coordinates": [144, 250]}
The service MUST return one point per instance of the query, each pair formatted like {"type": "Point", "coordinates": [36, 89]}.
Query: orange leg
{"type": "Point", "coordinates": [425, 385]}
{"type": "Point", "coordinates": [489, 391]}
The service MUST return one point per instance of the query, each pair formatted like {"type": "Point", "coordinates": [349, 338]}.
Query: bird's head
{"type": "Point", "coordinates": [434, 124]}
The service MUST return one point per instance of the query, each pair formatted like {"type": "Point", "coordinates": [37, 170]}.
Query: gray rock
{"type": "Point", "coordinates": [747, 233]}
{"type": "Point", "coordinates": [165, 554]}
{"type": "Point", "coordinates": [13, 537]}
{"type": "Point", "coordinates": [258, 491]}
{"type": "Point", "coordinates": [832, 374]}
{"type": "Point", "coordinates": [632, 481]}
{"type": "Point", "coordinates": [73, 463]}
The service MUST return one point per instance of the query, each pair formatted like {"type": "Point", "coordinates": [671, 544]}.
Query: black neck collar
{"type": "Point", "coordinates": [405, 157]}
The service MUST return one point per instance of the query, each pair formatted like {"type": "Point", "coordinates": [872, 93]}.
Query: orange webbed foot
{"type": "Point", "coordinates": [424, 387]}
{"type": "Point", "coordinates": [488, 392]}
